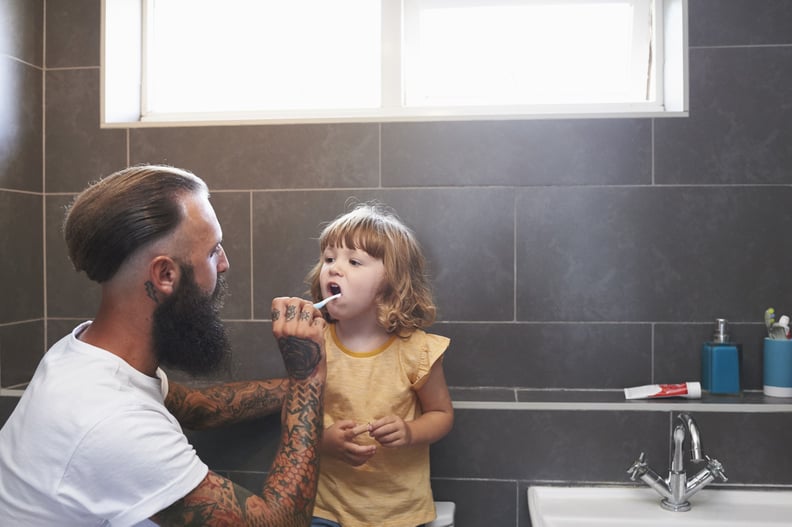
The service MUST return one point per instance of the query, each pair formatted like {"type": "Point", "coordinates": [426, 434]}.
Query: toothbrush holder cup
{"type": "Point", "coordinates": [777, 356]}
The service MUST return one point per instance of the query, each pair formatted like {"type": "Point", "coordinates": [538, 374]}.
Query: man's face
{"type": "Point", "coordinates": [187, 331]}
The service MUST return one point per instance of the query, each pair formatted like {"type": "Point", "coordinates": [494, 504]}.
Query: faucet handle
{"type": "Point", "coordinates": [638, 467]}
{"type": "Point", "coordinates": [716, 469]}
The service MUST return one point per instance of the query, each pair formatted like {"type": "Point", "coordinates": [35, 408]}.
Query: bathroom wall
{"type": "Point", "coordinates": [21, 190]}
{"type": "Point", "coordinates": [570, 257]}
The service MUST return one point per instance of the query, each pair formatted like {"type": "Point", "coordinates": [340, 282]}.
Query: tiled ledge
{"type": "Point", "coordinates": [596, 400]}
{"type": "Point", "coordinates": [610, 400]}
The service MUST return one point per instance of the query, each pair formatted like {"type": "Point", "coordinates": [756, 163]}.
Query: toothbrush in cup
{"type": "Point", "coordinates": [323, 303]}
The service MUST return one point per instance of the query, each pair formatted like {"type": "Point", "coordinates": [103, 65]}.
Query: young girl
{"type": "Point", "coordinates": [386, 398]}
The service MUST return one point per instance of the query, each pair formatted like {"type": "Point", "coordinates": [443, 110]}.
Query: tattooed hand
{"type": "Point", "coordinates": [299, 329]}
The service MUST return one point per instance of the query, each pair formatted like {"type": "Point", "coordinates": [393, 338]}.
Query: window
{"type": "Point", "coordinates": [368, 60]}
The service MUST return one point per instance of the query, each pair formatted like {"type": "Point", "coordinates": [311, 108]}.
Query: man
{"type": "Point", "coordinates": [96, 438]}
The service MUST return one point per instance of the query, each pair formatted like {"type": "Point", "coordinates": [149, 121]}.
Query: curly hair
{"type": "Point", "coordinates": [405, 302]}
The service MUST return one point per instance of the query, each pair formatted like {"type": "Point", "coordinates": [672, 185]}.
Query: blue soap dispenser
{"type": "Point", "coordinates": [721, 362]}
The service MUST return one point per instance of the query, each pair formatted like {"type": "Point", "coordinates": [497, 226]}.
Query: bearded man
{"type": "Point", "coordinates": [96, 438]}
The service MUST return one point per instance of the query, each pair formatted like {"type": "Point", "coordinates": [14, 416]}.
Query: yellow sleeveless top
{"type": "Point", "coordinates": [392, 488]}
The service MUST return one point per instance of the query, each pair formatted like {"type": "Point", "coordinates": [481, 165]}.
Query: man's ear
{"type": "Point", "coordinates": [164, 274]}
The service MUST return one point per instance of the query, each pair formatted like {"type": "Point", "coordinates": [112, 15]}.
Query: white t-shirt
{"type": "Point", "coordinates": [91, 443]}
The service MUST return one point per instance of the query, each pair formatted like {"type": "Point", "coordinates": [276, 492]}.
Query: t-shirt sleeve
{"type": "Point", "coordinates": [131, 466]}
{"type": "Point", "coordinates": [424, 350]}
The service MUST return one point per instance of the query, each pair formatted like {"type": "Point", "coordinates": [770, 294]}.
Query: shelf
{"type": "Point", "coordinates": [610, 400]}
{"type": "Point", "coordinates": [492, 398]}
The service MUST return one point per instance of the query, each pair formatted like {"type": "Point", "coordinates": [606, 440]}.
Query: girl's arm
{"type": "Point", "coordinates": [435, 422]}
{"type": "Point", "coordinates": [225, 404]}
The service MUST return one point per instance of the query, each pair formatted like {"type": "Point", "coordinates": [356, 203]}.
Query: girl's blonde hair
{"type": "Point", "coordinates": [405, 300]}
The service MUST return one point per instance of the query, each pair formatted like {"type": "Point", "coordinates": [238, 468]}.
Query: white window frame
{"type": "Point", "coordinates": [123, 97]}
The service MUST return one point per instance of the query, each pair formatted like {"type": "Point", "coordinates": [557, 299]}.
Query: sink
{"type": "Point", "coordinates": [601, 506]}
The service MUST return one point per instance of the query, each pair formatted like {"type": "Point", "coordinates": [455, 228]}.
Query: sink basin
{"type": "Point", "coordinates": [591, 506]}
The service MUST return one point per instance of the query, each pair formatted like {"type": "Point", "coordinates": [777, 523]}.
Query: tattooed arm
{"type": "Point", "coordinates": [289, 492]}
{"type": "Point", "coordinates": [225, 404]}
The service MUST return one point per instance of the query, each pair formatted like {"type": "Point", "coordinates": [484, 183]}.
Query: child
{"type": "Point", "coordinates": [386, 398]}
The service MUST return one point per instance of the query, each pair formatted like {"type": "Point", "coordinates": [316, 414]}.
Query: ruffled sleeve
{"type": "Point", "coordinates": [419, 353]}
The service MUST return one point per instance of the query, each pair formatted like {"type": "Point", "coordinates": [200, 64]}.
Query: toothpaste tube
{"type": "Point", "coordinates": [688, 390]}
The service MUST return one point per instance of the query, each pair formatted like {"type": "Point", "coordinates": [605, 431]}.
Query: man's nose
{"type": "Point", "coordinates": [223, 265]}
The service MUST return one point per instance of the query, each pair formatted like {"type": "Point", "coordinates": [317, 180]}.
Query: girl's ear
{"type": "Point", "coordinates": [164, 274]}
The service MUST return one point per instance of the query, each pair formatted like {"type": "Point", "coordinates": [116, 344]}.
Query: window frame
{"type": "Point", "coordinates": [123, 95]}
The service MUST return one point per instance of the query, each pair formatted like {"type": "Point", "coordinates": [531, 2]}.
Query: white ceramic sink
{"type": "Point", "coordinates": [591, 506]}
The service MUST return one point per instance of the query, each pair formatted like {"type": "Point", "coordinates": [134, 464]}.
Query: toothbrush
{"type": "Point", "coordinates": [323, 303]}
{"type": "Point", "coordinates": [769, 318]}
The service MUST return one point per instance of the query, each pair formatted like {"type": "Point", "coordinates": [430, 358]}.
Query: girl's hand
{"type": "Point", "coordinates": [391, 431]}
{"type": "Point", "coordinates": [339, 442]}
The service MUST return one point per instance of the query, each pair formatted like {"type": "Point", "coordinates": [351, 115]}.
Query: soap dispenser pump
{"type": "Point", "coordinates": [721, 362]}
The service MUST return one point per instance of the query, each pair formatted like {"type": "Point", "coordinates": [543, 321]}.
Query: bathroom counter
{"type": "Point", "coordinates": [527, 399]}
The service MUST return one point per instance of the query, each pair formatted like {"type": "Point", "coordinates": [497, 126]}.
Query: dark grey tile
{"type": "Point", "coordinates": [21, 267]}
{"type": "Point", "coordinates": [247, 447]}
{"type": "Point", "coordinates": [537, 152]}
{"type": "Point", "coordinates": [547, 355]}
{"type": "Point", "coordinates": [651, 253]}
{"type": "Point", "coordinates": [69, 293]}
{"type": "Point", "coordinates": [738, 130]}
{"type": "Point", "coordinates": [479, 503]}
{"type": "Point", "coordinates": [233, 213]}
{"type": "Point", "coordinates": [21, 24]}
{"type": "Point", "coordinates": [21, 125]}
{"type": "Point", "coordinates": [21, 349]}
{"type": "Point", "coordinates": [255, 352]}
{"type": "Point", "coordinates": [266, 157]}
{"type": "Point", "coordinates": [468, 239]}
{"type": "Point", "coordinates": [572, 396]}
{"type": "Point", "coordinates": [7, 405]}
{"type": "Point", "coordinates": [739, 22]}
{"type": "Point", "coordinates": [677, 352]}
{"type": "Point", "coordinates": [753, 448]}
{"type": "Point", "coordinates": [480, 393]}
{"type": "Point", "coordinates": [550, 445]}
{"type": "Point", "coordinates": [459, 242]}
{"type": "Point", "coordinates": [73, 33]}
{"type": "Point", "coordinates": [59, 328]}
{"type": "Point", "coordinates": [78, 151]}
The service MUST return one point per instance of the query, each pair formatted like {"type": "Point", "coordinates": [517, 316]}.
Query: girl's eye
{"type": "Point", "coordinates": [328, 259]}
{"type": "Point", "coordinates": [355, 262]}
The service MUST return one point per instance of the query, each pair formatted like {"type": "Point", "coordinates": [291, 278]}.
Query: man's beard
{"type": "Point", "coordinates": [187, 331]}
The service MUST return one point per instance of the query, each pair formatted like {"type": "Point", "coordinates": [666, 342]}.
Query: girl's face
{"type": "Point", "coordinates": [355, 274]}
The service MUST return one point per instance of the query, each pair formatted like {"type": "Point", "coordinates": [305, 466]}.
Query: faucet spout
{"type": "Point", "coordinates": [695, 437]}
{"type": "Point", "coordinates": [676, 489]}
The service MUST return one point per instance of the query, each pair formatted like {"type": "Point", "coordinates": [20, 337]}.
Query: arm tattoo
{"type": "Point", "coordinates": [289, 492]}
{"type": "Point", "coordinates": [225, 404]}
{"type": "Point", "coordinates": [300, 356]}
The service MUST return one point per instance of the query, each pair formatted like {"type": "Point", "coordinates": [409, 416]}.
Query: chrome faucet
{"type": "Point", "coordinates": [676, 489]}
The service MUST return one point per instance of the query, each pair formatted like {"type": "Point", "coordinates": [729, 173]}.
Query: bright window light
{"type": "Point", "coordinates": [258, 55]}
{"type": "Point", "coordinates": [388, 60]}
{"type": "Point", "coordinates": [528, 53]}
